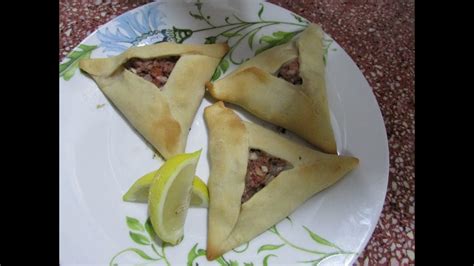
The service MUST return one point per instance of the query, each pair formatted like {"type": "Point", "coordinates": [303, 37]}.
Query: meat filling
{"type": "Point", "coordinates": [261, 169]}
{"type": "Point", "coordinates": [291, 72]}
{"type": "Point", "coordinates": [155, 70]}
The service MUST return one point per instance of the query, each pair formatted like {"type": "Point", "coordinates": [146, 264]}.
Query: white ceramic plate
{"type": "Point", "coordinates": [101, 155]}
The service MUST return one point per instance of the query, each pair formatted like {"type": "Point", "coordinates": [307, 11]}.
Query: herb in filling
{"type": "Point", "coordinates": [291, 72]}
{"type": "Point", "coordinates": [261, 169]}
{"type": "Point", "coordinates": [155, 70]}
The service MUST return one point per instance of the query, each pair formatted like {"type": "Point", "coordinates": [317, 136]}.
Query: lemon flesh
{"type": "Point", "coordinates": [200, 195]}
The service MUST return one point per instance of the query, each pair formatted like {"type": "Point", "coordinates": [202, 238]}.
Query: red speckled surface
{"type": "Point", "coordinates": [379, 36]}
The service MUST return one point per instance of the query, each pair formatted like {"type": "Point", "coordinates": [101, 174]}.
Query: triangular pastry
{"type": "Point", "coordinates": [258, 178]}
{"type": "Point", "coordinates": [285, 85]}
{"type": "Point", "coordinates": [158, 88]}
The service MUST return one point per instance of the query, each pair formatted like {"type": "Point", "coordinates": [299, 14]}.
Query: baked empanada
{"type": "Point", "coordinates": [158, 88]}
{"type": "Point", "coordinates": [285, 85]}
{"type": "Point", "coordinates": [258, 178]}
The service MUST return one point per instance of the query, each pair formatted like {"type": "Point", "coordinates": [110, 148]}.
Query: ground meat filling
{"type": "Point", "coordinates": [261, 169]}
{"type": "Point", "coordinates": [155, 70]}
{"type": "Point", "coordinates": [291, 72]}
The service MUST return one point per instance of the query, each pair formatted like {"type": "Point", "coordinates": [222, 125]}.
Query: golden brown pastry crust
{"type": "Point", "coordinates": [228, 149]}
{"type": "Point", "coordinates": [303, 108]}
{"type": "Point", "coordinates": [232, 224]}
{"type": "Point", "coordinates": [163, 117]}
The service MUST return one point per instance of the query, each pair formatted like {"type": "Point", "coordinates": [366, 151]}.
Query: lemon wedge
{"type": "Point", "coordinates": [138, 192]}
{"type": "Point", "coordinates": [170, 196]}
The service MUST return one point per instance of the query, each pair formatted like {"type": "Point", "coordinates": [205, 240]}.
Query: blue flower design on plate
{"type": "Point", "coordinates": [135, 29]}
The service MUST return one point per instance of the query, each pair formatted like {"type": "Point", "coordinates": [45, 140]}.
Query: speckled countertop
{"type": "Point", "coordinates": [379, 36]}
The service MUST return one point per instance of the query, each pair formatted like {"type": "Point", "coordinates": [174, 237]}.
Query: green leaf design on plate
{"type": "Point", "coordinates": [134, 224]}
{"type": "Point", "coordinates": [260, 11]}
{"type": "Point", "coordinates": [210, 40]}
{"type": "Point", "coordinates": [221, 260]}
{"type": "Point", "coordinates": [244, 249]}
{"type": "Point", "coordinates": [289, 219]}
{"type": "Point", "coordinates": [242, 29]}
{"type": "Point", "coordinates": [221, 69]}
{"type": "Point", "coordinates": [224, 65]}
{"type": "Point", "coordinates": [142, 254]}
{"type": "Point", "coordinates": [327, 44]}
{"type": "Point", "coordinates": [69, 73]}
{"type": "Point", "coordinates": [248, 264]}
{"type": "Point", "coordinates": [319, 239]}
{"type": "Point", "coordinates": [137, 251]}
{"type": "Point", "coordinates": [265, 260]}
{"type": "Point", "coordinates": [194, 254]}
{"type": "Point", "coordinates": [196, 16]}
{"type": "Point", "coordinates": [149, 228]}
{"type": "Point", "coordinates": [277, 38]}
{"type": "Point", "coordinates": [298, 18]}
{"type": "Point", "coordinates": [139, 238]}
{"type": "Point", "coordinates": [198, 4]}
{"type": "Point", "coordinates": [231, 34]}
{"type": "Point", "coordinates": [274, 230]}
{"type": "Point", "coordinates": [67, 69]}
{"type": "Point", "coordinates": [239, 19]}
{"type": "Point", "coordinates": [233, 263]}
{"type": "Point", "coordinates": [250, 39]}
{"type": "Point", "coordinates": [217, 74]}
{"type": "Point", "coordinates": [269, 247]}
{"type": "Point", "coordinates": [314, 262]}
